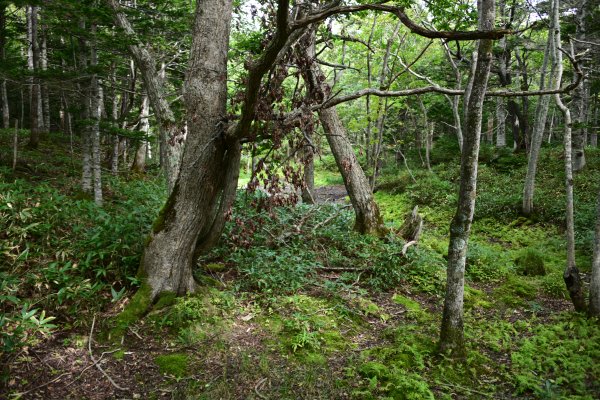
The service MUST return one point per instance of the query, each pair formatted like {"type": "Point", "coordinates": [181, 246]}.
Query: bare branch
{"type": "Point", "coordinates": [336, 66]}
{"type": "Point", "coordinates": [399, 12]}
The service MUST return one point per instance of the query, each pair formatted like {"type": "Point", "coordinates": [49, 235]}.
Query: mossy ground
{"type": "Point", "coordinates": [292, 318]}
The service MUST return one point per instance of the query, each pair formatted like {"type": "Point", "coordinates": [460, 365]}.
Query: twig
{"type": "Point", "coordinates": [407, 245]}
{"type": "Point", "coordinates": [465, 389]}
{"type": "Point", "coordinates": [330, 218]}
{"type": "Point", "coordinates": [90, 366]}
{"type": "Point", "coordinates": [96, 362]}
{"type": "Point", "coordinates": [258, 386]}
{"type": "Point", "coordinates": [19, 395]}
{"type": "Point", "coordinates": [324, 268]}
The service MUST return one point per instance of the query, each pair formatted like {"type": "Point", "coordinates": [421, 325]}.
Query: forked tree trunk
{"type": "Point", "coordinates": [368, 219]}
{"type": "Point", "coordinates": [452, 335]}
{"type": "Point", "coordinates": [571, 273]}
{"type": "Point", "coordinates": [539, 125]}
{"type": "Point", "coordinates": [193, 208]}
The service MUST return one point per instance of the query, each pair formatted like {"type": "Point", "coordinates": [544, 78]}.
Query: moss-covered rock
{"type": "Point", "coordinates": [530, 263]}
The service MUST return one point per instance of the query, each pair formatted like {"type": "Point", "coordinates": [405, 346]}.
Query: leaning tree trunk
{"type": "Point", "coordinates": [452, 335]}
{"type": "Point", "coordinates": [193, 206]}
{"type": "Point", "coordinates": [368, 218]}
{"type": "Point", "coordinates": [594, 307]}
{"type": "Point", "coordinates": [169, 130]}
{"type": "Point", "coordinates": [308, 188]}
{"type": "Point", "coordinates": [539, 125]}
{"type": "Point", "coordinates": [571, 274]}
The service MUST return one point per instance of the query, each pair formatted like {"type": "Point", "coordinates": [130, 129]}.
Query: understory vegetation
{"type": "Point", "coordinates": [294, 304]}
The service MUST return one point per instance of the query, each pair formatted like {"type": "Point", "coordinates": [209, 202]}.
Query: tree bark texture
{"type": "Point", "coordinates": [368, 218]}
{"type": "Point", "coordinates": [200, 192]}
{"type": "Point", "coordinates": [539, 125]}
{"type": "Point", "coordinates": [95, 115]}
{"type": "Point", "coordinates": [170, 131]}
{"type": "Point", "coordinates": [139, 161]}
{"type": "Point", "coordinates": [580, 101]}
{"type": "Point", "coordinates": [308, 189]}
{"type": "Point", "coordinates": [571, 273]}
{"type": "Point", "coordinates": [452, 335]}
{"type": "Point", "coordinates": [35, 104]}
{"type": "Point", "coordinates": [594, 307]}
{"type": "Point", "coordinates": [3, 91]}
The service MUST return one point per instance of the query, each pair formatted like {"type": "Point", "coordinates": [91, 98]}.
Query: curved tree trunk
{"type": "Point", "coordinates": [368, 218]}
{"type": "Point", "coordinates": [452, 335]}
{"type": "Point", "coordinates": [571, 274]}
{"type": "Point", "coordinates": [189, 214]}
{"type": "Point", "coordinates": [169, 131]}
{"type": "Point", "coordinates": [539, 125]}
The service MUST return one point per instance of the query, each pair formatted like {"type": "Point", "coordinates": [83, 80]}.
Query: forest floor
{"type": "Point", "coordinates": [301, 308]}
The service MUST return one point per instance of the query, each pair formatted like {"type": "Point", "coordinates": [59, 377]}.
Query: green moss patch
{"type": "Point", "coordinates": [140, 304]}
{"type": "Point", "coordinates": [530, 263]}
{"type": "Point", "coordinates": [175, 364]}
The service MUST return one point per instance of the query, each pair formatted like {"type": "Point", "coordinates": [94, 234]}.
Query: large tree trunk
{"type": "Point", "coordinates": [594, 308]}
{"type": "Point", "coordinates": [571, 274]}
{"type": "Point", "coordinates": [452, 335]}
{"type": "Point", "coordinates": [35, 113]}
{"type": "Point", "coordinates": [541, 113]}
{"type": "Point", "coordinates": [368, 218]}
{"type": "Point", "coordinates": [193, 207]}
{"type": "Point", "coordinates": [581, 92]}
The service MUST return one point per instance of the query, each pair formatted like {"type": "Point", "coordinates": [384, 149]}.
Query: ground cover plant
{"type": "Point", "coordinates": [300, 308]}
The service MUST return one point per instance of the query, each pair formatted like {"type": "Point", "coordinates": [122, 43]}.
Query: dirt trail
{"type": "Point", "coordinates": [331, 193]}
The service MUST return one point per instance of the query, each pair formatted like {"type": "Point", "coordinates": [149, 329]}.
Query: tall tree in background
{"type": "Point", "coordinates": [571, 273]}
{"type": "Point", "coordinates": [154, 84]}
{"type": "Point", "coordinates": [368, 218]}
{"type": "Point", "coordinates": [539, 125]}
{"type": "Point", "coordinates": [3, 91]}
{"type": "Point", "coordinates": [452, 333]}
{"type": "Point", "coordinates": [33, 62]}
